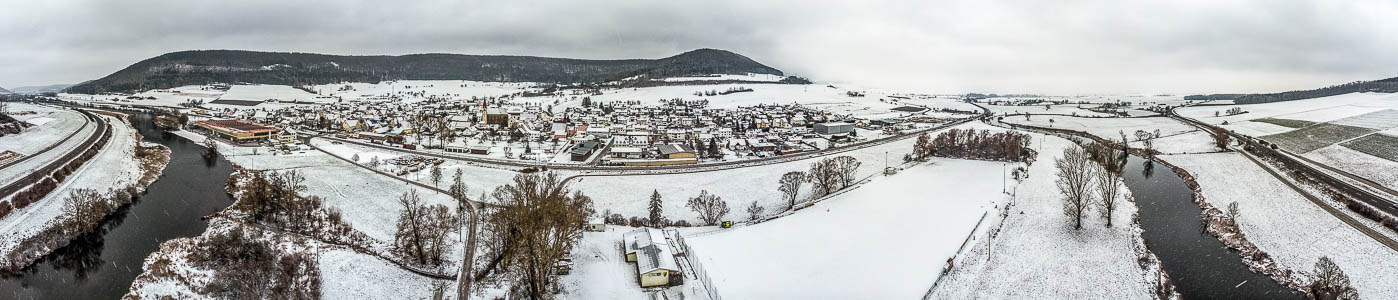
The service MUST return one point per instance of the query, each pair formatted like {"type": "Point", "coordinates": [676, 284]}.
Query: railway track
{"type": "Point", "coordinates": [1384, 204]}
{"type": "Point", "coordinates": [40, 173]}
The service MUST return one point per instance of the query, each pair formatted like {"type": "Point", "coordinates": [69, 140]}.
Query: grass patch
{"type": "Point", "coordinates": [1315, 137]}
{"type": "Point", "coordinates": [1285, 122]}
{"type": "Point", "coordinates": [1379, 145]}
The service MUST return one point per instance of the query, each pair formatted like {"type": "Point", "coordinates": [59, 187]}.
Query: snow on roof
{"type": "Point", "coordinates": [651, 249]}
{"type": "Point", "coordinates": [626, 150]}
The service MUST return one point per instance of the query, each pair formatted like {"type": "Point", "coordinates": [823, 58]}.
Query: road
{"type": "Point", "coordinates": [1366, 195]}
{"type": "Point", "coordinates": [38, 174]}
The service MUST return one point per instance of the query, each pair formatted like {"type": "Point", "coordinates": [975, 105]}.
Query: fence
{"type": "Point", "coordinates": [696, 268]}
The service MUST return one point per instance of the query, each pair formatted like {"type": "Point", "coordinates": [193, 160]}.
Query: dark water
{"type": "Point", "coordinates": [102, 264]}
{"type": "Point", "coordinates": [1200, 265]}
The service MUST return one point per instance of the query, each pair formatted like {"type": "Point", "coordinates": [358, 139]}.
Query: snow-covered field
{"type": "Point", "coordinates": [1322, 109]}
{"type": "Point", "coordinates": [888, 239]}
{"type": "Point", "coordinates": [279, 93]}
{"type": "Point", "coordinates": [1377, 169]}
{"type": "Point", "coordinates": [51, 125]}
{"type": "Point", "coordinates": [1108, 128]}
{"type": "Point", "coordinates": [1289, 227]}
{"type": "Point", "coordinates": [113, 167]}
{"type": "Point", "coordinates": [1037, 253]}
{"type": "Point", "coordinates": [416, 90]}
{"type": "Point", "coordinates": [628, 195]}
{"type": "Point", "coordinates": [346, 274]}
{"type": "Point", "coordinates": [746, 77]}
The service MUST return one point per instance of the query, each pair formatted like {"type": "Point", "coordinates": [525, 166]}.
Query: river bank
{"type": "Point", "coordinates": [120, 171]}
{"type": "Point", "coordinates": [102, 263]}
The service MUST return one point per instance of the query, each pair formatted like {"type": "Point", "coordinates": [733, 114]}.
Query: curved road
{"type": "Point", "coordinates": [102, 128]}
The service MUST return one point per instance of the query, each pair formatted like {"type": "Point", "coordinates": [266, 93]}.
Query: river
{"type": "Point", "coordinates": [102, 264]}
{"type": "Point", "coordinates": [1200, 265]}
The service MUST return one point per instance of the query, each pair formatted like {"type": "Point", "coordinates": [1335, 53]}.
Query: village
{"type": "Point", "coordinates": [569, 130]}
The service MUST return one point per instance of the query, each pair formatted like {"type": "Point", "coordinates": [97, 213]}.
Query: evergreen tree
{"type": "Point", "coordinates": [656, 211]}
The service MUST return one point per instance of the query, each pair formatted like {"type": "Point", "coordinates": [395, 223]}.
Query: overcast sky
{"type": "Point", "coordinates": [1061, 47]}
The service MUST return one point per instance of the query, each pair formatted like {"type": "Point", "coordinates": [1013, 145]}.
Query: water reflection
{"type": "Point", "coordinates": [101, 264]}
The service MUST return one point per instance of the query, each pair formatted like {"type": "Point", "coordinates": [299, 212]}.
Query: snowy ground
{"type": "Point", "coordinates": [346, 274]}
{"type": "Point", "coordinates": [417, 90]}
{"type": "Point", "coordinates": [745, 77]}
{"type": "Point", "coordinates": [1109, 128]}
{"type": "Point", "coordinates": [113, 167]}
{"type": "Point", "coordinates": [53, 124]}
{"type": "Point", "coordinates": [280, 93]}
{"type": "Point", "coordinates": [1289, 227]}
{"type": "Point", "coordinates": [600, 270]}
{"type": "Point", "coordinates": [840, 247]}
{"type": "Point", "coordinates": [1358, 163]}
{"type": "Point", "coordinates": [1322, 109]}
{"type": "Point", "coordinates": [628, 195]}
{"type": "Point", "coordinates": [1037, 252]}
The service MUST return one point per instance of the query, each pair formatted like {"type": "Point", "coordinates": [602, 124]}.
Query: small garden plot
{"type": "Point", "coordinates": [1315, 137]}
{"type": "Point", "coordinates": [1379, 145]}
{"type": "Point", "coordinates": [1285, 122]}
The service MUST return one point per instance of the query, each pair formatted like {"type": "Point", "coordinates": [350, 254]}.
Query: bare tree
{"type": "Point", "coordinates": [422, 230]}
{"type": "Point", "coordinates": [791, 186]}
{"type": "Point", "coordinates": [532, 226]}
{"type": "Point", "coordinates": [1221, 138]}
{"type": "Point", "coordinates": [1107, 189]}
{"type": "Point", "coordinates": [83, 206]}
{"type": "Point", "coordinates": [846, 166]}
{"type": "Point", "coordinates": [754, 211]}
{"type": "Point", "coordinates": [1331, 282]}
{"type": "Point", "coordinates": [436, 175]}
{"type": "Point", "coordinates": [923, 147]}
{"type": "Point", "coordinates": [210, 146]}
{"type": "Point", "coordinates": [824, 177]}
{"type": "Point", "coordinates": [711, 208]}
{"type": "Point", "coordinates": [1233, 213]}
{"type": "Point", "coordinates": [1075, 175]}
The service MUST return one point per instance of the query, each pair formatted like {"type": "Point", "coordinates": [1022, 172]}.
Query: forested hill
{"type": "Point", "coordinates": [4, 91]}
{"type": "Point", "coordinates": [1389, 85]}
{"type": "Point", "coordinates": [232, 66]}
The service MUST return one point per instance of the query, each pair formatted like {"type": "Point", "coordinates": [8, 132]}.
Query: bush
{"type": "Point", "coordinates": [5, 209]}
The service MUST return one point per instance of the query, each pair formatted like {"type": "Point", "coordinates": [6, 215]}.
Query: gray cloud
{"type": "Point", "coordinates": [942, 46]}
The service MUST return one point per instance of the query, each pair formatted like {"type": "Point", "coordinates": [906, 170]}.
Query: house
{"type": "Point", "coordinates": [655, 265]}
{"type": "Point", "coordinates": [583, 150]}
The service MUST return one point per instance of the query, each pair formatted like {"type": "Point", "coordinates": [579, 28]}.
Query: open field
{"type": "Point", "coordinates": [1324, 109]}
{"type": "Point", "coordinates": [1293, 230]}
{"type": "Point", "coordinates": [1379, 145]}
{"type": "Point", "coordinates": [1037, 253]}
{"type": "Point", "coordinates": [838, 249]}
{"type": "Point", "coordinates": [1285, 122]}
{"type": "Point", "coordinates": [1315, 137]}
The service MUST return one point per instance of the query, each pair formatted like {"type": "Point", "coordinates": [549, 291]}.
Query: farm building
{"type": "Point", "coordinates": [676, 151]}
{"type": "Point", "coordinates": [239, 131]}
{"type": "Point", "coordinates": [583, 150]}
{"type": "Point", "coordinates": [834, 128]}
{"type": "Point", "coordinates": [655, 266]}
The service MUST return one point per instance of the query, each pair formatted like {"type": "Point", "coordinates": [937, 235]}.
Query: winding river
{"type": "Point", "coordinates": [1199, 264]}
{"type": "Point", "coordinates": [102, 264]}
